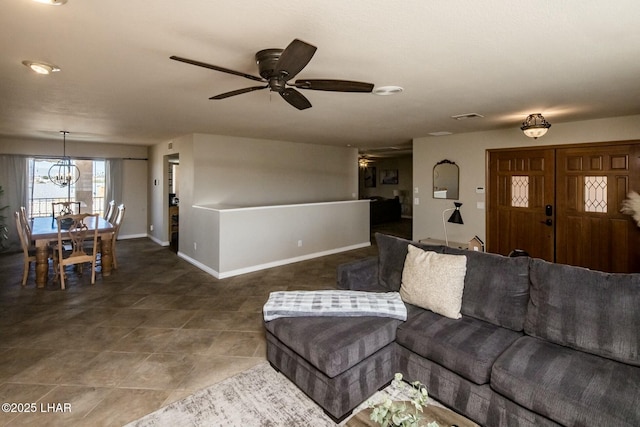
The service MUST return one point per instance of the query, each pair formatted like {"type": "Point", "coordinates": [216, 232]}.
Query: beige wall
{"type": "Point", "coordinates": [468, 152]}
{"type": "Point", "coordinates": [254, 172]}
{"type": "Point", "coordinates": [222, 170]}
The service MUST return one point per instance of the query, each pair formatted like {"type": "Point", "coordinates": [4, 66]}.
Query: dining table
{"type": "Point", "coordinates": [44, 230]}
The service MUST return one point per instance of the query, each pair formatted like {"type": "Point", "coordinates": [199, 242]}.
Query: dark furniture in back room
{"type": "Point", "coordinates": [383, 210]}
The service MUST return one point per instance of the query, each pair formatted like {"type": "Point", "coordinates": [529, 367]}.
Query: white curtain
{"type": "Point", "coordinates": [13, 180]}
{"type": "Point", "coordinates": [113, 178]}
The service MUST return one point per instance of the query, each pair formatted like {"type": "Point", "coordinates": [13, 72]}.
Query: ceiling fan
{"type": "Point", "coordinates": [277, 67]}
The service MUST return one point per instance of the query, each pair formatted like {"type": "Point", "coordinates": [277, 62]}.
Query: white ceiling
{"type": "Point", "coordinates": [570, 60]}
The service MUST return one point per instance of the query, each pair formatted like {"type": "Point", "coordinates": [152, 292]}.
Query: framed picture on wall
{"type": "Point", "coordinates": [369, 177]}
{"type": "Point", "coordinates": [389, 176]}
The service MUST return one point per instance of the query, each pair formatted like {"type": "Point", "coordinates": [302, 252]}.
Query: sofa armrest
{"type": "Point", "coordinates": [361, 275]}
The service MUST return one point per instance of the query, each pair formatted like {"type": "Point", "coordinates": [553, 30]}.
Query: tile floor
{"type": "Point", "coordinates": [153, 332]}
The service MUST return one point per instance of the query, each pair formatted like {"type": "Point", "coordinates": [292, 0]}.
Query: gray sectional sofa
{"type": "Point", "coordinates": [538, 344]}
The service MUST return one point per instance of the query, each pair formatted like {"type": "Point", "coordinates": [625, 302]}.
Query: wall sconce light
{"type": "Point", "coordinates": [455, 217]}
{"type": "Point", "coordinates": [535, 126]}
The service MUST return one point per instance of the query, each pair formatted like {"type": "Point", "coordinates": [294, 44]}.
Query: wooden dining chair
{"type": "Point", "coordinates": [28, 250]}
{"type": "Point", "coordinates": [117, 222]}
{"type": "Point", "coordinates": [76, 233]}
{"type": "Point", "coordinates": [110, 212]}
{"type": "Point", "coordinates": [26, 224]}
{"type": "Point", "coordinates": [64, 208]}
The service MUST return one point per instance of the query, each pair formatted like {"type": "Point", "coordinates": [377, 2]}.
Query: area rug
{"type": "Point", "coordinates": [258, 397]}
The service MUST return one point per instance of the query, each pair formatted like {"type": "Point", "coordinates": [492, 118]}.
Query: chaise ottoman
{"type": "Point", "coordinates": [337, 361]}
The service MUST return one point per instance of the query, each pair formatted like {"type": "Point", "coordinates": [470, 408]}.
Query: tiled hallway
{"type": "Point", "coordinates": [153, 332]}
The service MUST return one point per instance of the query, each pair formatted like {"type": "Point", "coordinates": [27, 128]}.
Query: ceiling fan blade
{"type": "Point", "coordinates": [238, 92]}
{"type": "Point", "coordinates": [295, 98]}
{"type": "Point", "coordinates": [216, 68]}
{"type": "Point", "coordinates": [294, 58]}
{"type": "Point", "coordinates": [334, 85]}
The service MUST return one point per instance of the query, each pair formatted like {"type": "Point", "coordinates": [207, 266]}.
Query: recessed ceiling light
{"type": "Point", "coordinates": [41, 67]}
{"type": "Point", "coordinates": [387, 90]}
{"type": "Point", "coordinates": [467, 116]}
{"type": "Point", "coordinates": [52, 2]}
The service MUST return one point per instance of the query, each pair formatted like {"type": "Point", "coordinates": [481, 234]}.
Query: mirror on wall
{"type": "Point", "coordinates": [445, 180]}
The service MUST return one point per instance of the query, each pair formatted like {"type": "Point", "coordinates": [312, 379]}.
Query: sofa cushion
{"type": "Point", "coordinates": [359, 275]}
{"type": "Point", "coordinates": [496, 288]}
{"type": "Point", "coordinates": [392, 252]}
{"type": "Point", "coordinates": [434, 281]}
{"type": "Point", "coordinates": [587, 310]}
{"type": "Point", "coordinates": [334, 344]}
{"type": "Point", "coordinates": [568, 386]}
{"type": "Point", "coordinates": [466, 346]}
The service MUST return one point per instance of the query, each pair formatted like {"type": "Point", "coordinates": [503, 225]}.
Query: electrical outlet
{"type": "Point", "coordinates": [299, 243]}
{"type": "Point", "coordinates": [195, 246]}
{"type": "Point", "coordinates": [416, 201]}
{"type": "Point", "coordinates": [151, 227]}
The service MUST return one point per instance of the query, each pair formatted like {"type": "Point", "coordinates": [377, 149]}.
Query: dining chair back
{"type": "Point", "coordinates": [117, 222]}
{"type": "Point", "coordinates": [110, 212]}
{"type": "Point", "coordinates": [64, 208]}
{"type": "Point", "coordinates": [28, 251]}
{"type": "Point", "coordinates": [73, 233]}
{"type": "Point", "coordinates": [25, 223]}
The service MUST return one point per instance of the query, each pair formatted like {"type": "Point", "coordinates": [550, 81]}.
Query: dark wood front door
{"type": "Point", "coordinates": [562, 204]}
{"type": "Point", "coordinates": [521, 190]}
{"type": "Point", "coordinates": [591, 231]}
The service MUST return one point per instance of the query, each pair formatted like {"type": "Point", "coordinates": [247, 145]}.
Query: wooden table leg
{"type": "Point", "coordinates": [42, 264]}
{"type": "Point", "coordinates": [106, 259]}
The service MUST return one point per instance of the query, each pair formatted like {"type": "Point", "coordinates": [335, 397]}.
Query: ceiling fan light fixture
{"type": "Point", "coordinates": [387, 90]}
{"type": "Point", "coordinates": [41, 67]}
{"type": "Point", "coordinates": [535, 126]}
{"type": "Point", "coordinates": [363, 162]}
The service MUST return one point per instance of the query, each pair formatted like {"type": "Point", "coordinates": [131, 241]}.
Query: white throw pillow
{"type": "Point", "coordinates": [434, 281]}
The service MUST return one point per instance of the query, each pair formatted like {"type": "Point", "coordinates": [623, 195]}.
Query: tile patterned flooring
{"type": "Point", "coordinates": [153, 332]}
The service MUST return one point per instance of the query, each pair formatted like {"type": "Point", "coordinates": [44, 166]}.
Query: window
{"type": "Point", "coordinates": [520, 191]}
{"type": "Point", "coordinates": [595, 194]}
{"type": "Point", "coordinates": [89, 190]}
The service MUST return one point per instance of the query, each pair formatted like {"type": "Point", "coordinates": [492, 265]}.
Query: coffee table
{"type": "Point", "coordinates": [443, 416]}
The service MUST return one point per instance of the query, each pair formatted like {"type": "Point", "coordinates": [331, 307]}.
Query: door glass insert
{"type": "Point", "coordinates": [520, 191]}
{"type": "Point", "coordinates": [595, 194]}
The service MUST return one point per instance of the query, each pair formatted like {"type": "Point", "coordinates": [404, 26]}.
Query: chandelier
{"type": "Point", "coordinates": [64, 173]}
{"type": "Point", "coordinates": [535, 126]}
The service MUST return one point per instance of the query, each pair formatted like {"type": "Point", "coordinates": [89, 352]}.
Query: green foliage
{"type": "Point", "coordinates": [4, 230]}
{"type": "Point", "coordinates": [402, 414]}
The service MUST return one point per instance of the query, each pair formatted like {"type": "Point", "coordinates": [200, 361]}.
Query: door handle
{"type": "Point", "coordinates": [547, 222]}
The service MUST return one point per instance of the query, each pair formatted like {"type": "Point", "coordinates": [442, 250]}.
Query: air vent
{"type": "Point", "coordinates": [441, 133]}
{"type": "Point", "coordinates": [467, 116]}
{"type": "Point", "coordinates": [171, 146]}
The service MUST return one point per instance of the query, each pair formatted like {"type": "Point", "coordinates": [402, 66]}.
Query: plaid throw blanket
{"type": "Point", "coordinates": [334, 303]}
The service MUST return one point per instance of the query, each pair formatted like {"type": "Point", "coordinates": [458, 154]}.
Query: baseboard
{"type": "Point", "coordinates": [132, 236]}
{"type": "Point", "coordinates": [278, 263]}
{"type": "Point", "coordinates": [158, 241]}
{"type": "Point", "coordinates": [200, 265]}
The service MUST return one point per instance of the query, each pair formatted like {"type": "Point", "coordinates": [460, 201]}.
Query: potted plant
{"type": "Point", "coordinates": [391, 413]}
